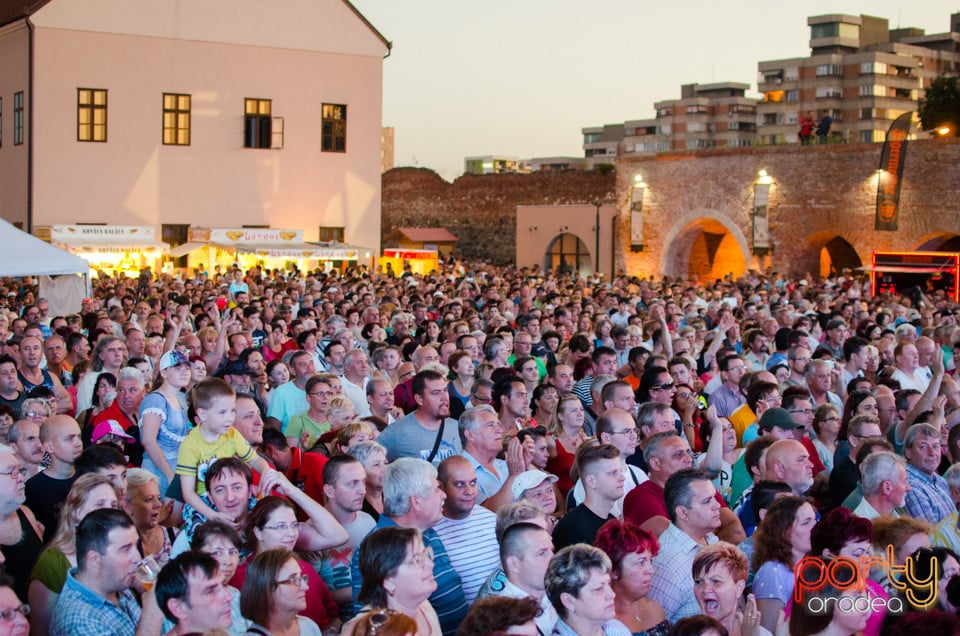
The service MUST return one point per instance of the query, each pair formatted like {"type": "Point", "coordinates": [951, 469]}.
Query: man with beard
{"type": "Point", "coordinates": [759, 350]}
{"type": "Point", "coordinates": [426, 432]}
{"type": "Point", "coordinates": [789, 462]}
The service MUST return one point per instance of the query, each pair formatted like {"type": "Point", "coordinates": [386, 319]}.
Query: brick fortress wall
{"type": "Point", "coordinates": [481, 210]}
{"type": "Point", "coordinates": [698, 204]}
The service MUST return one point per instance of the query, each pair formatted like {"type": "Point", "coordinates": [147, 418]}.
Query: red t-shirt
{"type": "Point", "coordinates": [646, 501]}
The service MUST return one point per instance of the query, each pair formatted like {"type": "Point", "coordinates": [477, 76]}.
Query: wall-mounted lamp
{"type": "Point", "coordinates": [638, 189]}
{"type": "Point", "coordinates": [534, 228]}
{"type": "Point", "coordinates": [761, 222]}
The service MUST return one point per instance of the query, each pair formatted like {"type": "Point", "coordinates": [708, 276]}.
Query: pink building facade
{"type": "Point", "coordinates": [167, 113]}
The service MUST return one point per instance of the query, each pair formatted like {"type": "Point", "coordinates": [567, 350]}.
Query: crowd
{"type": "Point", "coordinates": [482, 450]}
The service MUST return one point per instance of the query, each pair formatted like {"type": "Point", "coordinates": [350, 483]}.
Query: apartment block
{"type": "Point", "coordinates": [716, 115]}
{"type": "Point", "coordinates": [859, 71]}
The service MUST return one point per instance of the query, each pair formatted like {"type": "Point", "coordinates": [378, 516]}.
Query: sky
{"type": "Point", "coordinates": [523, 77]}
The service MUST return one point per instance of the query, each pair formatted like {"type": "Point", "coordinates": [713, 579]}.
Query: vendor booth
{"type": "Point", "coordinates": [420, 261]}
{"type": "Point", "coordinates": [267, 247]}
{"type": "Point", "coordinates": [112, 248]}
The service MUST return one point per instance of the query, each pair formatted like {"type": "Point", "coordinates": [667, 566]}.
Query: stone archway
{"type": "Point", "coordinates": [943, 242]}
{"type": "Point", "coordinates": [705, 244]}
{"type": "Point", "coordinates": [837, 255]}
{"type": "Point", "coordinates": [566, 251]}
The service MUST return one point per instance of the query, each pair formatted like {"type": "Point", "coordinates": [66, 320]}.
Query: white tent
{"type": "Point", "coordinates": [26, 255]}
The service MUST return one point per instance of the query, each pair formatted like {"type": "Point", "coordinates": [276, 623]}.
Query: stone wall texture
{"type": "Point", "coordinates": [698, 206]}
{"type": "Point", "coordinates": [481, 210]}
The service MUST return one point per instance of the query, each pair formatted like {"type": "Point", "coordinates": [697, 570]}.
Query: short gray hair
{"type": "Point", "coordinates": [137, 478]}
{"type": "Point", "coordinates": [569, 571]}
{"type": "Point", "coordinates": [877, 468]}
{"type": "Point", "coordinates": [132, 373]}
{"type": "Point", "coordinates": [517, 512]}
{"type": "Point", "coordinates": [919, 430]}
{"type": "Point", "coordinates": [406, 477]}
{"type": "Point", "coordinates": [470, 420]}
{"type": "Point", "coordinates": [653, 444]}
{"type": "Point", "coordinates": [601, 381]}
{"type": "Point", "coordinates": [365, 450]}
{"type": "Point", "coordinates": [952, 476]}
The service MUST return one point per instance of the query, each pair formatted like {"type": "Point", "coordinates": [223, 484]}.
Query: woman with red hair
{"type": "Point", "coordinates": [840, 533]}
{"type": "Point", "coordinates": [631, 550]}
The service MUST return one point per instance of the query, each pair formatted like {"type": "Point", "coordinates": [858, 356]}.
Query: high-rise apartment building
{"type": "Point", "coordinates": [706, 116]}
{"type": "Point", "coordinates": [859, 71]}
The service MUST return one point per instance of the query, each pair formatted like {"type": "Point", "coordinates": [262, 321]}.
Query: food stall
{"type": "Point", "coordinates": [271, 248]}
{"type": "Point", "coordinates": [111, 248]}
{"type": "Point", "coordinates": [420, 261]}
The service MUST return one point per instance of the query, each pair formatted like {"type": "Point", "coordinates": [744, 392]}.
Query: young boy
{"type": "Point", "coordinates": [215, 406]}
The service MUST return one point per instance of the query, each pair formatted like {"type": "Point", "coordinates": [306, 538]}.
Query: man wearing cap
{"type": "Point", "coordinates": [237, 375]}
{"type": "Point", "coordinates": [110, 431]}
{"type": "Point", "coordinates": [466, 529]}
{"type": "Point", "coordinates": [835, 333]}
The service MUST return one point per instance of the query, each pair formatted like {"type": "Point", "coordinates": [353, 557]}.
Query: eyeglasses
{"type": "Point", "coordinates": [802, 411]}
{"type": "Point", "coordinates": [424, 558]}
{"type": "Point", "coordinates": [35, 414]}
{"type": "Point", "coordinates": [299, 580]}
{"type": "Point", "coordinates": [8, 615]}
{"type": "Point", "coordinates": [321, 393]}
{"type": "Point", "coordinates": [14, 472]}
{"type": "Point", "coordinates": [629, 432]}
{"type": "Point", "coordinates": [283, 527]}
{"type": "Point", "coordinates": [663, 387]}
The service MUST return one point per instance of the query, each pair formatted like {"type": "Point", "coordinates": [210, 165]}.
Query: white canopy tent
{"type": "Point", "coordinates": [26, 255]}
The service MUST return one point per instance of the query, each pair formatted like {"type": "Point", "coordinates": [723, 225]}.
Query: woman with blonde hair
{"type": "Point", "coordinates": [565, 437]}
{"type": "Point", "coordinates": [89, 492]}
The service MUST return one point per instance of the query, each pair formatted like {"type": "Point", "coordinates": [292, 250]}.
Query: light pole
{"type": "Point", "coordinates": [596, 247]}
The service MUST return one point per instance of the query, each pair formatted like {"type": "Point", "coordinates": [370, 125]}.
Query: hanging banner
{"type": "Point", "coordinates": [761, 227]}
{"type": "Point", "coordinates": [892, 159]}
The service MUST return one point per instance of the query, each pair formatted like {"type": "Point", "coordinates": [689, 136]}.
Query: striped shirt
{"type": "Point", "coordinates": [472, 546]}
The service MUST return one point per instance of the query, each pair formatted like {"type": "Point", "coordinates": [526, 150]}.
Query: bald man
{"type": "Point", "coordinates": [47, 490]}
{"type": "Point", "coordinates": [789, 462]}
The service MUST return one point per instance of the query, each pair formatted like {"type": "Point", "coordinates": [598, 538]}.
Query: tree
{"type": "Point", "coordinates": [941, 104]}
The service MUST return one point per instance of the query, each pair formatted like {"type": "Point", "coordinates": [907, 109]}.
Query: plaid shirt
{"type": "Point", "coordinates": [672, 581]}
{"type": "Point", "coordinates": [81, 612]}
{"type": "Point", "coordinates": [929, 496]}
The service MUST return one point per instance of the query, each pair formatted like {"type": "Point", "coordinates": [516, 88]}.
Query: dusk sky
{"type": "Point", "coordinates": [522, 77]}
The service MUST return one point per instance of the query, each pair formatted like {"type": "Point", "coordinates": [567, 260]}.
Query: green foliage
{"type": "Point", "coordinates": [941, 105]}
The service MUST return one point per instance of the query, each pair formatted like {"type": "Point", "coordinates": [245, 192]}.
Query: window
{"type": "Point", "coordinates": [176, 119]}
{"type": "Point", "coordinates": [331, 234]}
{"type": "Point", "coordinates": [791, 95]}
{"type": "Point", "coordinates": [91, 114]}
{"type": "Point", "coordinates": [792, 73]}
{"type": "Point", "coordinates": [18, 118]}
{"type": "Point", "coordinates": [665, 111]}
{"type": "Point", "coordinates": [835, 30]}
{"type": "Point", "coordinates": [825, 70]}
{"type": "Point", "coordinates": [257, 123]}
{"type": "Point", "coordinates": [826, 92]}
{"type": "Point", "coordinates": [877, 90]}
{"type": "Point", "coordinates": [334, 138]}
{"type": "Point", "coordinates": [592, 138]}
{"type": "Point", "coordinates": [871, 136]}
{"type": "Point", "coordinates": [873, 68]}
{"type": "Point", "coordinates": [696, 126]}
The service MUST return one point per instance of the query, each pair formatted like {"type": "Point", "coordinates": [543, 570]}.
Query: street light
{"type": "Point", "coordinates": [636, 213]}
